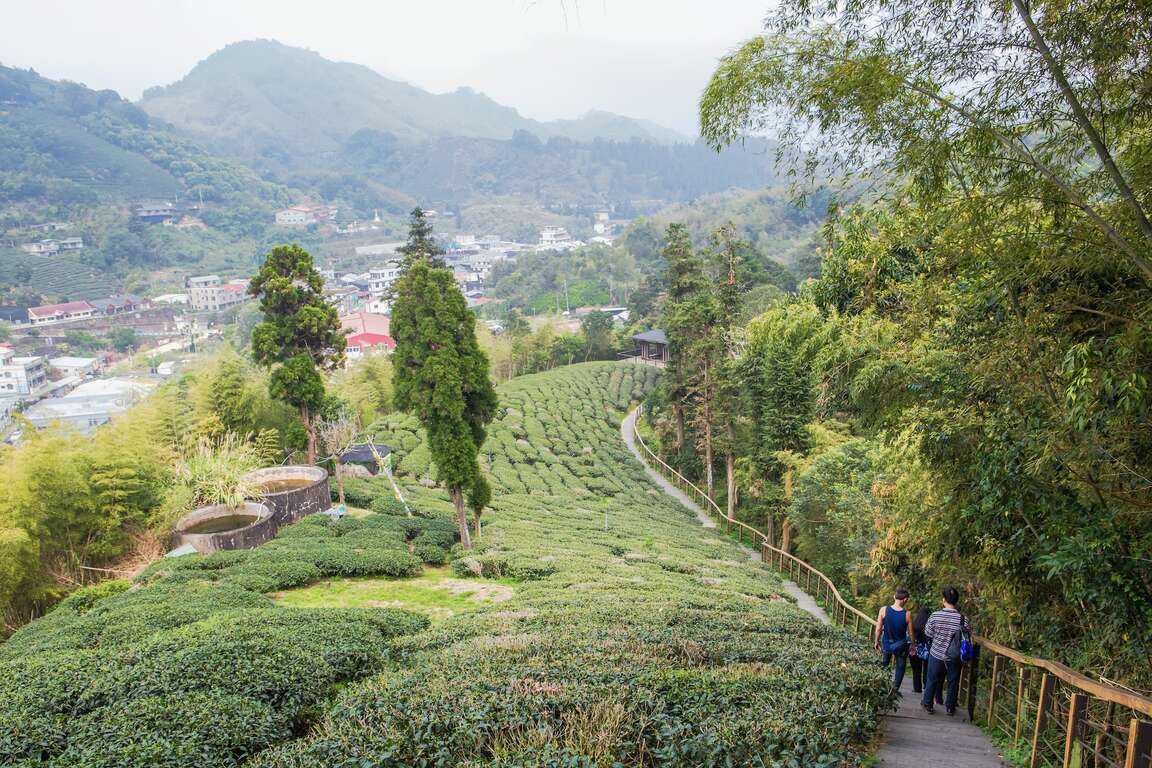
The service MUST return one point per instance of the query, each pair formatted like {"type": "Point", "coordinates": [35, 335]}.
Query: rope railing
{"type": "Point", "coordinates": [1065, 718]}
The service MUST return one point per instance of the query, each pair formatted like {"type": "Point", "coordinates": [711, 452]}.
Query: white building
{"type": "Point", "coordinates": [75, 366]}
{"type": "Point", "coordinates": [20, 376]}
{"type": "Point", "coordinates": [380, 279]}
{"type": "Point", "coordinates": [52, 247]}
{"type": "Point", "coordinates": [208, 294]}
{"type": "Point", "coordinates": [551, 237]}
{"type": "Point", "coordinates": [58, 313]}
{"type": "Point", "coordinates": [41, 248]}
{"type": "Point", "coordinates": [90, 404]}
{"type": "Point", "coordinates": [296, 216]}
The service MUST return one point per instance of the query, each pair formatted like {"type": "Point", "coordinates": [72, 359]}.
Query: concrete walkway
{"type": "Point", "coordinates": [628, 432]}
{"type": "Point", "coordinates": [911, 738]}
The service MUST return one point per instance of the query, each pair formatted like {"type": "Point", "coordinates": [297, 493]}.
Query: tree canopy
{"type": "Point", "coordinates": [440, 374]}
{"type": "Point", "coordinates": [300, 337]}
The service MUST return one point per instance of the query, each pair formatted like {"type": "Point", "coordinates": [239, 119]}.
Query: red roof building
{"type": "Point", "coordinates": [53, 313]}
{"type": "Point", "coordinates": [366, 322]}
{"type": "Point", "coordinates": [360, 344]}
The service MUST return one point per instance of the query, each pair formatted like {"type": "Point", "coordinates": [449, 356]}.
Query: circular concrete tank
{"type": "Point", "coordinates": [292, 492]}
{"type": "Point", "coordinates": [210, 529]}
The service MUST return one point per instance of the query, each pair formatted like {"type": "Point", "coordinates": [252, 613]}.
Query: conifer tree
{"type": "Point", "coordinates": [691, 315]}
{"type": "Point", "coordinates": [421, 242]}
{"type": "Point", "coordinates": [300, 336]}
{"type": "Point", "coordinates": [440, 374]}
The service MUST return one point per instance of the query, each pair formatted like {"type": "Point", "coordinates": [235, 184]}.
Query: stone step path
{"type": "Point", "coordinates": [910, 737]}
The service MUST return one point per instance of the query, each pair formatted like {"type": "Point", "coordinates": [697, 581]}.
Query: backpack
{"type": "Point", "coordinates": [960, 645]}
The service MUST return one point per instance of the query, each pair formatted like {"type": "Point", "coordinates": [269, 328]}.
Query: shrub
{"type": "Point", "coordinates": [388, 505]}
{"type": "Point", "coordinates": [85, 598]}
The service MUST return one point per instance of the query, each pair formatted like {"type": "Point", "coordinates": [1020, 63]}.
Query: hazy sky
{"type": "Point", "coordinates": [547, 58]}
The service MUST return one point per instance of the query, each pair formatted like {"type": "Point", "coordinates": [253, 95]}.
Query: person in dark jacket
{"type": "Point", "coordinates": [920, 664]}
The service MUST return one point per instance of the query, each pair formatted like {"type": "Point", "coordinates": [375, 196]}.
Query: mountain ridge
{"type": "Point", "coordinates": [258, 97]}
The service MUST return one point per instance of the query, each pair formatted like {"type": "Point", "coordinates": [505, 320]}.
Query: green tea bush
{"type": "Point", "coordinates": [623, 634]}
{"type": "Point", "coordinates": [388, 505]}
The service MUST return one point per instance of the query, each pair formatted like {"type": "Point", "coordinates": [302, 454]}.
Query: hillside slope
{"type": "Point", "coordinates": [262, 96]}
{"type": "Point", "coordinates": [64, 144]}
{"type": "Point", "coordinates": [632, 637]}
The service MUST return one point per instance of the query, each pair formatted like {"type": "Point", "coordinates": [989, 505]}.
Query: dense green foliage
{"type": "Point", "coordinates": [193, 664]}
{"type": "Point", "coordinates": [964, 395]}
{"type": "Point", "coordinates": [636, 640]}
{"type": "Point", "coordinates": [439, 372]}
{"type": "Point", "coordinates": [300, 337]}
{"type": "Point", "coordinates": [632, 636]}
{"type": "Point", "coordinates": [71, 501]}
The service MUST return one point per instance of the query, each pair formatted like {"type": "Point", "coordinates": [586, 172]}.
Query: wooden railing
{"type": "Point", "coordinates": [1054, 715]}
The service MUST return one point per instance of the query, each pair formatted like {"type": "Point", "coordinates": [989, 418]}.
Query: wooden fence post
{"type": "Point", "coordinates": [973, 679]}
{"type": "Point", "coordinates": [1076, 707]}
{"type": "Point", "coordinates": [1042, 705]}
{"type": "Point", "coordinates": [997, 673]}
{"type": "Point", "coordinates": [1106, 731]}
{"type": "Point", "coordinates": [1023, 673]}
{"type": "Point", "coordinates": [1139, 744]}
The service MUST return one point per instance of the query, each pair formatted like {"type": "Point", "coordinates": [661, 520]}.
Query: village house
{"type": "Point", "coordinates": [20, 376]}
{"type": "Point", "coordinates": [75, 366]}
{"type": "Point", "coordinates": [52, 247]}
{"type": "Point", "coordinates": [118, 304]}
{"type": "Point", "coordinates": [90, 404]}
{"type": "Point", "coordinates": [303, 215]}
{"type": "Point", "coordinates": [158, 211]}
{"type": "Point", "coordinates": [57, 313]}
{"type": "Point", "coordinates": [380, 279]}
{"type": "Point", "coordinates": [207, 293]}
{"type": "Point", "coordinates": [361, 344]}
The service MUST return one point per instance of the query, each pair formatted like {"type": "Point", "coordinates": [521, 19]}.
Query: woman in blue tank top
{"type": "Point", "coordinates": [893, 635]}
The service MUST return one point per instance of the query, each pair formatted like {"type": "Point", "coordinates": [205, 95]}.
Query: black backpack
{"type": "Point", "coordinates": [959, 645]}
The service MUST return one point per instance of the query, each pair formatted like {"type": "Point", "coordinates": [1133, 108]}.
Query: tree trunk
{"type": "Point", "coordinates": [771, 532]}
{"type": "Point", "coordinates": [786, 525]}
{"type": "Point", "coordinates": [678, 417]}
{"type": "Point", "coordinates": [708, 456]}
{"type": "Point", "coordinates": [708, 479]}
{"type": "Point", "coordinates": [310, 428]}
{"type": "Point", "coordinates": [476, 524]}
{"type": "Point", "coordinates": [461, 517]}
{"type": "Point", "coordinates": [730, 474]}
{"type": "Point", "coordinates": [340, 480]}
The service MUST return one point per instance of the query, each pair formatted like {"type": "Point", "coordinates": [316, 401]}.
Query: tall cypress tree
{"type": "Point", "coordinates": [440, 374]}
{"type": "Point", "coordinates": [421, 242]}
{"type": "Point", "coordinates": [691, 317]}
{"type": "Point", "coordinates": [300, 337]}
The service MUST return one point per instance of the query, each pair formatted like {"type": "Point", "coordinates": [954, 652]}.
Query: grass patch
{"type": "Point", "coordinates": [436, 592]}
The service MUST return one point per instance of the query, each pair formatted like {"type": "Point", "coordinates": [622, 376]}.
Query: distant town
{"type": "Point", "coordinates": [43, 378]}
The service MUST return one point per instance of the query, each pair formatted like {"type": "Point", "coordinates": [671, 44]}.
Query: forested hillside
{"type": "Point", "coordinates": [963, 396]}
{"type": "Point", "coordinates": [70, 145]}
{"type": "Point", "coordinates": [629, 634]}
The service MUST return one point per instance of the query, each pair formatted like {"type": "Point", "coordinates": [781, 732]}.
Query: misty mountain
{"type": "Point", "coordinates": [260, 98]}
{"type": "Point", "coordinates": [64, 144]}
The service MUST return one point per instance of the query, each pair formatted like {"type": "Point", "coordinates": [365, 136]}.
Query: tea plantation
{"type": "Point", "coordinates": [633, 637]}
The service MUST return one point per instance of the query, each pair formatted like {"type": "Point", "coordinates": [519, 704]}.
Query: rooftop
{"type": "Point", "coordinates": [655, 336]}
{"type": "Point", "coordinates": [48, 310]}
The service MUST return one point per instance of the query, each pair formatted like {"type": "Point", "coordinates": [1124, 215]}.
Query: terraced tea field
{"type": "Point", "coordinates": [56, 277]}
{"type": "Point", "coordinates": [631, 635]}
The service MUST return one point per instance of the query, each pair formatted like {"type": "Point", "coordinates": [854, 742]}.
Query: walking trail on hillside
{"type": "Point", "coordinates": [911, 738]}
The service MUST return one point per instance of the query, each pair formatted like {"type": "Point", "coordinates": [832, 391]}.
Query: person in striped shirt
{"type": "Point", "coordinates": [943, 654]}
